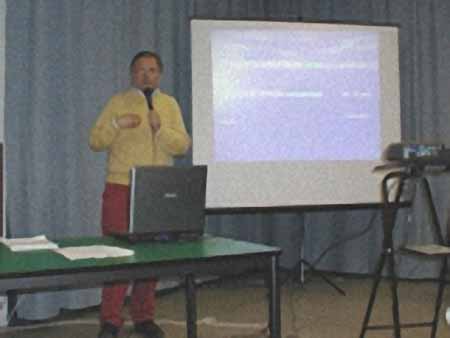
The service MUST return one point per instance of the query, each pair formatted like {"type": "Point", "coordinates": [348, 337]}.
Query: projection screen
{"type": "Point", "coordinates": [293, 114]}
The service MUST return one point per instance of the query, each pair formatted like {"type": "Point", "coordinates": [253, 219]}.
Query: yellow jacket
{"type": "Point", "coordinates": [138, 146]}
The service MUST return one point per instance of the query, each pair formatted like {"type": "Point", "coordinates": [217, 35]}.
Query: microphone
{"type": "Point", "coordinates": [148, 96]}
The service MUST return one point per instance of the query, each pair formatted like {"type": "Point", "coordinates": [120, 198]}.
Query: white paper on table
{"type": "Point", "coordinates": [93, 251]}
{"type": "Point", "coordinates": [30, 243]}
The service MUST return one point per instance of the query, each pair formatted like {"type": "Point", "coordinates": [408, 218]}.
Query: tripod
{"type": "Point", "coordinates": [301, 265]}
{"type": "Point", "coordinates": [390, 209]}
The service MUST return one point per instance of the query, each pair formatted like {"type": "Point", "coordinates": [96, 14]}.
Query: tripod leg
{"type": "Point", "coordinates": [440, 237]}
{"type": "Point", "coordinates": [438, 302]}
{"type": "Point", "coordinates": [302, 265]}
{"type": "Point", "coordinates": [325, 278]}
{"type": "Point", "coordinates": [394, 288]}
{"type": "Point", "coordinates": [376, 282]}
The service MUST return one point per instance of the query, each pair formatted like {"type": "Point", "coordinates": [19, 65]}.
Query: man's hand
{"type": "Point", "coordinates": [154, 120]}
{"type": "Point", "coordinates": [128, 121]}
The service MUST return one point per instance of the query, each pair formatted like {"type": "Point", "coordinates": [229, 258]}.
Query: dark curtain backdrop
{"type": "Point", "coordinates": [65, 58]}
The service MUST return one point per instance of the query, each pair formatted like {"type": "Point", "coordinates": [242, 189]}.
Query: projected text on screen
{"type": "Point", "coordinates": [295, 95]}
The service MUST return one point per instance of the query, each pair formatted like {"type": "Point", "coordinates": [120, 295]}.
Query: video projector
{"type": "Point", "coordinates": [420, 155]}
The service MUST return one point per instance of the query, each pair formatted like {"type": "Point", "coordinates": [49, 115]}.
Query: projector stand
{"type": "Point", "coordinates": [387, 256]}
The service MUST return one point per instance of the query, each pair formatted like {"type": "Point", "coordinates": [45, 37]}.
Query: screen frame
{"type": "Point", "coordinates": [390, 82]}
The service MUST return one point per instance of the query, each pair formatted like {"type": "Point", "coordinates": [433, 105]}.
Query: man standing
{"type": "Point", "coordinates": [138, 127]}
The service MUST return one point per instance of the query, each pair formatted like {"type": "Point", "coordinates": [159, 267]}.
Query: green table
{"type": "Point", "coordinates": [45, 269]}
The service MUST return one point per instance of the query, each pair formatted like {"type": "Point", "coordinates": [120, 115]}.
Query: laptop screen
{"type": "Point", "coordinates": [167, 200]}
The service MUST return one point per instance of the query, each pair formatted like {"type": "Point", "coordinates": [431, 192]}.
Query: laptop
{"type": "Point", "coordinates": [167, 203]}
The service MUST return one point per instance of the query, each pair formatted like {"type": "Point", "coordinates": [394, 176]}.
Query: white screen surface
{"type": "Point", "coordinates": [293, 113]}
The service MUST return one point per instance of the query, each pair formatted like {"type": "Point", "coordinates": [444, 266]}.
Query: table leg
{"type": "Point", "coordinates": [191, 307]}
{"type": "Point", "coordinates": [274, 299]}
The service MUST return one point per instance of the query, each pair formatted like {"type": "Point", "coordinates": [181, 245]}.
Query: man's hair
{"type": "Point", "coordinates": [147, 54]}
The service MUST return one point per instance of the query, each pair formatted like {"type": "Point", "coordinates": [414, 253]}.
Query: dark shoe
{"type": "Point", "coordinates": [149, 329]}
{"type": "Point", "coordinates": [108, 331]}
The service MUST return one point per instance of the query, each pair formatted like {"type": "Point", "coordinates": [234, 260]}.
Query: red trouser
{"type": "Point", "coordinates": [115, 213]}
